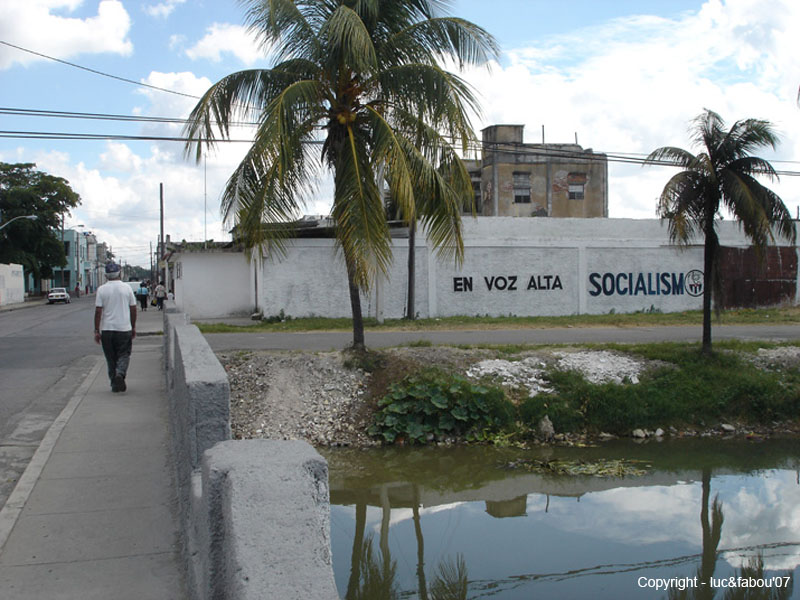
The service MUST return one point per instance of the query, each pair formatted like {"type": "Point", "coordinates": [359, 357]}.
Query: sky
{"type": "Point", "coordinates": [620, 76]}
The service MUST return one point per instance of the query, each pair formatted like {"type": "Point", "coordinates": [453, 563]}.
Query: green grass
{"type": "Point", "coordinates": [689, 390]}
{"type": "Point", "coordinates": [639, 319]}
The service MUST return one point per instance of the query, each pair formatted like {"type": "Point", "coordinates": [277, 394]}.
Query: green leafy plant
{"type": "Point", "coordinates": [433, 404]}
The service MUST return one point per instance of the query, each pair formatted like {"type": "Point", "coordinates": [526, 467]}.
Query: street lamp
{"type": "Point", "coordinates": [10, 221]}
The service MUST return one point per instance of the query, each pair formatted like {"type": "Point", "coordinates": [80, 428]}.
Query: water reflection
{"type": "Point", "coordinates": [451, 524]}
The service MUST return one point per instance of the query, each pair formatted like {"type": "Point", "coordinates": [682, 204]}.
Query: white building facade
{"type": "Point", "coordinates": [12, 284]}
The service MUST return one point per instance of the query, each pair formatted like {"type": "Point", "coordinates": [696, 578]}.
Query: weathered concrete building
{"type": "Point", "coordinates": [514, 179]}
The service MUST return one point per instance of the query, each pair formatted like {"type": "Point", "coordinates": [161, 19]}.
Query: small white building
{"type": "Point", "coordinates": [12, 284]}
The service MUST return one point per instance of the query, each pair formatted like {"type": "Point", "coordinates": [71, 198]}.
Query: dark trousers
{"type": "Point", "coordinates": [117, 347]}
{"type": "Point", "coordinates": [143, 301]}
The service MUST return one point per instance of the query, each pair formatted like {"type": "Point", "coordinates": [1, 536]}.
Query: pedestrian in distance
{"type": "Point", "coordinates": [143, 295]}
{"type": "Point", "coordinates": [161, 294]}
{"type": "Point", "coordinates": [115, 325]}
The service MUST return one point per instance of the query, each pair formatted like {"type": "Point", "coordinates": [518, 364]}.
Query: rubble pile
{"type": "Point", "coordinates": [526, 373]}
{"type": "Point", "coordinates": [777, 358]}
{"type": "Point", "coordinates": [308, 396]}
{"type": "Point", "coordinates": [601, 366]}
{"type": "Point", "coordinates": [596, 366]}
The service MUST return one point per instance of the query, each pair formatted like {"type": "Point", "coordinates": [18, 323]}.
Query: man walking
{"type": "Point", "coordinates": [115, 325]}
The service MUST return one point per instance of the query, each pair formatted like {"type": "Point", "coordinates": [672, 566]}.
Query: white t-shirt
{"type": "Point", "coordinates": [115, 298]}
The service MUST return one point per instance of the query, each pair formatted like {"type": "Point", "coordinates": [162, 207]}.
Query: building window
{"type": "Point", "coordinates": [522, 188]}
{"type": "Point", "coordinates": [577, 185]}
{"type": "Point", "coordinates": [476, 191]}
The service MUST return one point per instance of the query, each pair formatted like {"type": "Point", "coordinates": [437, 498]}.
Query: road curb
{"type": "Point", "coordinates": [22, 491]}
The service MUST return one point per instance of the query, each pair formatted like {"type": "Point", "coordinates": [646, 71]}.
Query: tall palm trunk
{"type": "Point", "coordinates": [711, 524]}
{"type": "Point", "coordinates": [422, 586]}
{"type": "Point", "coordinates": [411, 311]}
{"type": "Point", "coordinates": [355, 307]}
{"type": "Point", "coordinates": [709, 250]}
{"type": "Point", "coordinates": [358, 544]}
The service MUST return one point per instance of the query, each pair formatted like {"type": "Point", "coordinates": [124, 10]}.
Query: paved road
{"type": "Point", "coordinates": [45, 352]}
{"type": "Point", "coordinates": [340, 339]}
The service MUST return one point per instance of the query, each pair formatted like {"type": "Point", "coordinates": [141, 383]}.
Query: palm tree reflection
{"type": "Point", "coordinates": [375, 576]}
{"type": "Point", "coordinates": [711, 524]}
{"type": "Point", "coordinates": [372, 577]}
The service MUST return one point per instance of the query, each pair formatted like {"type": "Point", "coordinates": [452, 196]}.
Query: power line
{"type": "Point", "coordinates": [96, 72]}
{"type": "Point", "coordinates": [60, 135]}
{"type": "Point", "coordinates": [524, 152]}
{"type": "Point", "coordinates": [32, 112]}
{"type": "Point", "coordinates": [610, 157]}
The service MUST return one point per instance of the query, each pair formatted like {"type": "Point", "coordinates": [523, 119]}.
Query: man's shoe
{"type": "Point", "coordinates": [118, 385]}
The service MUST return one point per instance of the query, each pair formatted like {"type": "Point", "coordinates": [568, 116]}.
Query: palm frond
{"type": "Point", "coordinates": [241, 95]}
{"type": "Point", "coordinates": [427, 40]}
{"type": "Point", "coordinates": [753, 165]}
{"type": "Point", "coordinates": [283, 26]}
{"type": "Point", "coordinates": [361, 228]}
{"type": "Point", "coordinates": [428, 93]}
{"type": "Point", "coordinates": [669, 154]}
{"type": "Point", "coordinates": [757, 208]}
{"type": "Point", "coordinates": [707, 130]}
{"type": "Point", "coordinates": [681, 205]}
{"type": "Point", "coordinates": [348, 42]}
{"type": "Point", "coordinates": [431, 188]}
{"type": "Point", "coordinates": [748, 135]}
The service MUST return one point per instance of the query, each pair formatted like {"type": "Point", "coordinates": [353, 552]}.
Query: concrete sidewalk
{"type": "Point", "coordinates": [94, 514]}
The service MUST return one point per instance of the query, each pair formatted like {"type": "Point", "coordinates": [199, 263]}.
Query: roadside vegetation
{"type": "Point", "coordinates": [285, 323]}
{"type": "Point", "coordinates": [683, 391]}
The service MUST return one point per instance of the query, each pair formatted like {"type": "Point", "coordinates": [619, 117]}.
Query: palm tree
{"type": "Point", "coordinates": [723, 174]}
{"type": "Point", "coordinates": [364, 78]}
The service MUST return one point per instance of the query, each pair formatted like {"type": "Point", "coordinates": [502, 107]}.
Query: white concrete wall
{"type": "Point", "coordinates": [214, 284]}
{"type": "Point", "coordinates": [12, 284]}
{"type": "Point", "coordinates": [512, 266]}
{"type": "Point", "coordinates": [312, 281]}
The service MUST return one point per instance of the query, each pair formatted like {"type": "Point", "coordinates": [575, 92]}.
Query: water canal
{"type": "Point", "coordinates": [404, 520]}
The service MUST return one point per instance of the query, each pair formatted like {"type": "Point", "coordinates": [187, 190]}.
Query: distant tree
{"type": "Point", "coordinates": [136, 273]}
{"type": "Point", "coordinates": [723, 174]}
{"type": "Point", "coordinates": [35, 245]}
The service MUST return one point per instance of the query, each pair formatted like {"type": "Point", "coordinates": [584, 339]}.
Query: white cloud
{"type": "Point", "coordinates": [634, 84]}
{"type": "Point", "coordinates": [34, 24]}
{"type": "Point", "coordinates": [224, 38]}
{"type": "Point", "coordinates": [162, 10]}
{"type": "Point", "coordinates": [120, 196]}
{"type": "Point", "coordinates": [176, 41]}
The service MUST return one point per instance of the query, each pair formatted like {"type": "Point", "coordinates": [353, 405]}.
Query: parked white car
{"type": "Point", "coordinates": [58, 295]}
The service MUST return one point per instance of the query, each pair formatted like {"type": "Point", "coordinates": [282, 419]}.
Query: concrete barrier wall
{"type": "Point", "coordinates": [254, 514]}
{"type": "Point", "coordinates": [269, 533]}
{"type": "Point", "coordinates": [512, 266]}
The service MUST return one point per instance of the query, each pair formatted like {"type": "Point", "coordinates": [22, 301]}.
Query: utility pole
{"type": "Point", "coordinates": [162, 246]}
{"type": "Point", "coordinates": [62, 244]}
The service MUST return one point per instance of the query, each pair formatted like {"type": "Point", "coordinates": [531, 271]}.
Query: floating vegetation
{"type": "Point", "coordinates": [594, 468]}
